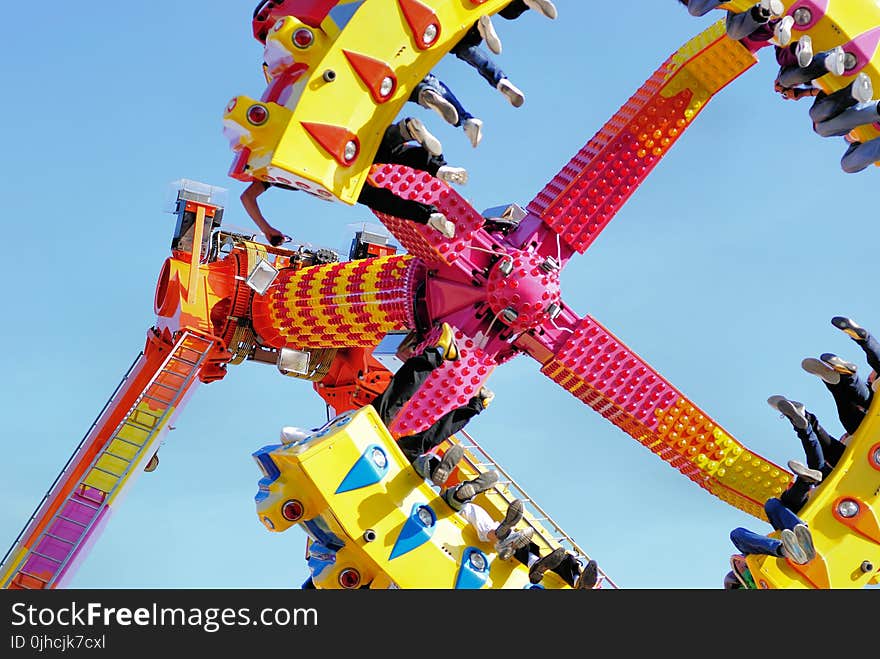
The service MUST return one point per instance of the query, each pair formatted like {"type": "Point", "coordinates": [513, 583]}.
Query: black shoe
{"type": "Point", "coordinates": [849, 326]}
{"type": "Point", "coordinates": [469, 489]}
{"type": "Point", "coordinates": [450, 460]}
{"type": "Point", "coordinates": [588, 577]}
{"type": "Point", "coordinates": [791, 410]}
{"type": "Point", "coordinates": [511, 519]}
{"type": "Point", "coordinates": [548, 562]}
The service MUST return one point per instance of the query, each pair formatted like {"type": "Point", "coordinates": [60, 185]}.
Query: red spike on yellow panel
{"type": "Point", "coordinates": [337, 305]}
{"type": "Point", "coordinates": [422, 21]}
{"type": "Point", "coordinates": [864, 521]}
{"type": "Point", "coordinates": [376, 74]}
{"type": "Point", "coordinates": [339, 142]}
{"type": "Point", "coordinates": [816, 572]}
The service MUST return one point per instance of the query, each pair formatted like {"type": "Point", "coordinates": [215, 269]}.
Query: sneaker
{"type": "Point", "coordinates": [415, 130]}
{"type": "Point", "coordinates": [548, 562]}
{"type": "Point", "coordinates": [804, 51]}
{"type": "Point", "coordinates": [849, 326]}
{"type": "Point", "coordinates": [473, 128]}
{"type": "Point", "coordinates": [486, 396]}
{"type": "Point", "coordinates": [804, 472]}
{"type": "Point", "coordinates": [782, 31]}
{"type": "Point", "coordinates": [469, 489]}
{"type": "Point", "coordinates": [446, 343]}
{"type": "Point", "coordinates": [805, 540]}
{"type": "Point", "coordinates": [516, 540]}
{"type": "Point", "coordinates": [433, 100]}
{"type": "Point", "coordinates": [456, 175]}
{"type": "Point", "coordinates": [840, 365]}
{"type": "Point", "coordinates": [791, 410]}
{"type": "Point", "coordinates": [490, 36]}
{"type": "Point", "coordinates": [821, 369]}
{"type": "Point", "coordinates": [439, 222]}
{"type": "Point", "coordinates": [862, 88]}
{"type": "Point", "coordinates": [450, 461]}
{"type": "Point", "coordinates": [772, 7]}
{"type": "Point", "coordinates": [422, 465]}
{"type": "Point", "coordinates": [511, 519]}
{"type": "Point", "coordinates": [514, 95]}
{"type": "Point", "coordinates": [588, 576]}
{"type": "Point", "coordinates": [791, 548]}
{"type": "Point", "coordinates": [544, 7]}
{"type": "Point", "coordinates": [834, 63]}
{"type": "Point", "coordinates": [153, 463]}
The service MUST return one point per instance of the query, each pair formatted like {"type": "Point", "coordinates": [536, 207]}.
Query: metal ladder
{"type": "Point", "coordinates": [534, 515]}
{"type": "Point", "coordinates": [64, 534]}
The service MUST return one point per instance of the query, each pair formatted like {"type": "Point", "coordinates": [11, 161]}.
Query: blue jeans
{"type": "Point", "coordinates": [468, 50]}
{"type": "Point", "coordinates": [852, 397]}
{"type": "Point", "coordinates": [431, 81]}
{"type": "Point", "coordinates": [749, 542]}
{"type": "Point", "coordinates": [859, 156]}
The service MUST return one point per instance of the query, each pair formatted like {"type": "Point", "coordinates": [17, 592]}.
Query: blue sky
{"type": "Point", "coordinates": [723, 272]}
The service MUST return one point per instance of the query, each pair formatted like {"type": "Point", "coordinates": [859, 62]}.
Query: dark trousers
{"type": "Point", "coordinates": [514, 10]}
{"type": "Point", "coordinates": [405, 383]}
{"type": "Point", "coordinates": [395, 151]}
{"type": "Point", "coordinates": [852, 396]}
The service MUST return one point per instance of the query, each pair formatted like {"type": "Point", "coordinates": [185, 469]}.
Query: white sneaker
{"type": "Point", "coordinates": [802, 470]}
{"type": "Point", "coordinates": [514, 95]}
{"type": "Point", "coordinates": [804, 51]}
{"type": "Point", "coordinates": [490, 36]}
{"type": "Point", "coordinates": [543, 7]}
{"type": "Point", "coordinates": [862, 88]}
{"type": "Point", "coordinates": [432, 100]}
{"type": "Point", "coordinates": [782, 31]}
{"type": "Point", "coordinates": [772, 7]}
{"type": "Point", "coordinates": [439, 222]}
{"type": "Point", "coordinates": [417, 131]}
{"type": "Point", "coordinates": [516, 540]}
{"type": "Point", "coordinates": [834, 63]}
{"type": "Point", "coordinates": [456, 175]}
{"type": "Point", "coordinates": [473, 128]}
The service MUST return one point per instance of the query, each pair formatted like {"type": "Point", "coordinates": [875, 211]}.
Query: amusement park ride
{"type": "Point", "coordinates": [224, 298]}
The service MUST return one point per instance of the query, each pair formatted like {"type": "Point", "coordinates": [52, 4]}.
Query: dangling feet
{"type": "Point", "coordinates": [473, 128]}
{"type": "Point", "coordinates": [433, 100]}
{"type": "Point", "coordinates": [805, 540]}
{"type": "Point", "coordinates": [834, 62]}
{"type": "Point", "coordinates": [413, 129]}
{"type": "Point", "coordinates": [862, 88]}
{"type": "Point", "coordinates": [848, 325]}
{"type": "Point", "coordinates": [771, 8]}
{"type": "Point", "coordinates": [791, 410]}
{"type": "Point", "coordinates": [804, 51]}
{"type": "Point", "coordinates": [440, 222]}
{"type": "Point", "coordinates": [459, 495]}
{"type": "Point", "coordinates": [446, 343]}
{"type": "Point", "coordinates": [821, 369]}
{"type": "Point", "coordinates": [514, 95]}
{"type": "Point", "coordinates": [782, 30]}
{"type": "Point", "coordinates": [813, 476]}
{"type": "Point", "coordinates": [588, 577]}
{"type": "Point", "coordinates": [486, 396]}
{"type": "Point", "coordinates": [548, 562]}
{"type": "Point", "coordinates": [490, 36]}
{"type": "Point", "coordinates": [456, 175]}
{"type": "Point", "coordinates": [513, 516]}
{"type": "Point", "coordinates": [517, 540]}
{"type": "Point", "coordinates": [440, 474]}
{"type": "Point", "coordinates": [791, 548]}
{"type": "Point", "coordinates": [544, 7]}
{"type": "Point", "coordinates": [840, 365]}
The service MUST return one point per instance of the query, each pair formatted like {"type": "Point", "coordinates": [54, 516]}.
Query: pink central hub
{"type": "Point", "coordinates": [523, 289]}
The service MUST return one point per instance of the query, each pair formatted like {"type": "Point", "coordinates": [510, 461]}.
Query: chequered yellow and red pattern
{"type": "Point", "coordinates": [337, 305]}
{"type": "Point", "coordinates": [587, 193]}
{"type": "Point", "coordinates": [606, 375]}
